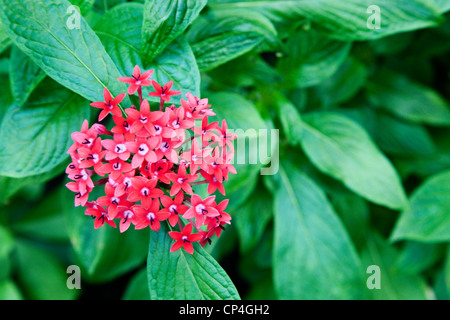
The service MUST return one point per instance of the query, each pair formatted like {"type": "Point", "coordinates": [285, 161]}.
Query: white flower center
{"type": "Point", "coordinates": [128, 214]}
{"type": "Point", "coordinates": [138, 83]}
{"type": "Point", "coordinates": [84, 175]}
{"type": "Point", "coordinates": [199, 208]}
{"type": "Point", "coordinates": [117, 166]}
{"type": "Point", "coordinates": [164, 146]}
{"type": "Point", "coordinates": [112, 182]}
{"type": "Point", "coordinates": [188, 114]}
{"type": "Point", "coordinates": [158, 129]}
{"type": "Point", "coordinates": [180, 180]}
{"type": "Point", "coordinates": [143, 119]}
{"type": "Point", "coordinates": [151, 216]}
{"type": "Point", "coordinates": [173, 208]}
{"type": "Point", "coordinates": [184, 238]}
{"type": "Point", "coordinates": [127, 182]}
{"type": "Point", "coordinates": [175, 124]}
{"type": "Point", "coordinates": [95, 158]}
{"type": "Point", "coordinates": [145, 192]}
{"type": "Point", "coordinates": [115, 200]}
{"type": "Point", "coordinates": [143, 149]}
{"type": "Point", "coordinates": [120, 148]}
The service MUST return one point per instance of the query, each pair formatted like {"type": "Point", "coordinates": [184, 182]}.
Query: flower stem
{"type": "Point", "coordinates": [198, 182]}
{"type": "Point", "coordinates": [140, 95]}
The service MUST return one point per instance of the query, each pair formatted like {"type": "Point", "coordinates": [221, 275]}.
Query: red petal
{"type": "Point", "coordinates": [107, 95]}
{"type": "Point", "coordinates": [188, 247]}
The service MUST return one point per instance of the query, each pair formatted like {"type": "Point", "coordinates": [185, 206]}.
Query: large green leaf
{"type": "Point", "coordinates": [395, 283]}
{"type": "Point", "coordinates": [409, 100]}
{"type": "Point", "coordinates": [6, 246]}
{"type": "Point", "coordinates": [44, 221]}
{"type": "Point", "coordinates": [5, 41]}
{"type": "Point", "coordinates": [123, 43]}
{"type": "Point", "coordinates": [252, 218]}
{"type": "Point", "coordinates": [343, 84]}
{"type": "Point", "coordinates": [354, 213]}
{"type": "Point", "coordinates": [402, 138]}
{"type": "Point", "coordinates": [311, 247]}
{"type": "Point", "coordinates": [427, 218]}
{"type": "Point", "coordinates": [25, 75]}
{"type": "Point", "coordinates": [9, 291]}
{"type": "Point", "coordinates": [103, 6]}
{"type": "Point", "coordinates": [164, 21]}
{"type": "Point", "coordinates": [103, 253]}
{"type": "Point", "coordinates": [84, 5]}
{"type": "Point", "coordinates": [6, 98]}
{"type": "Point", "coordinates": [73, 57]}
{"type": "Point", "coordinates": [443, 5]}
{"type": "Point", "coordinates": [340, 148]}
{"type": "Point", "coordinates": [345, 20]}
{"type": "Point", "coordinates": [244, 119]}
{"type": "Point", "coordinates": [228, 35]}
{"type": "Point", "coordinates": [417, 257]}
{"type": "Point", "coordinates": [41, 273]}
{"type": "Point", "coordinates": [311, 58]}
{"type": "Point", "coordinates": [137, 288]}
{"type": "Point", "coordinates": [181, 276]}
{"type": "Point", "coordinates": [36, 136]}
{"type": "Point", "coordinates": [9, 186]}
{"type": "Point", "coordinates": [287, 113]}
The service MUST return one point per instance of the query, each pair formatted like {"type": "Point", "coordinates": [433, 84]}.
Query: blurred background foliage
{"type": "Point", "coordinates": [364, 150]}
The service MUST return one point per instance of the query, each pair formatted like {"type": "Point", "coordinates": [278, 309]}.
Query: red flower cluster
{"type": "Point", "coordinates": [149, 161]}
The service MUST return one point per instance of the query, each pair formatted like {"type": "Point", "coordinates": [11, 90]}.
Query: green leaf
{"type": "Point", "coordinates": [311, 58]}
{"type": "Point", "coordinates": [164, 21]}
{"type": "Point", "coordinates": [345, 20]}
{"type": "Point", "coordinates": [181, 276]}
{"type": "Point", "coordinates": [287, 113]}
{"type": "Point", "coordinates": [137, 288]}
{"type": "Point", "coordinates": [243, 119]}
{"type": "Point", "coordinates": [6, 246]}
{"type": "Point", "coordinates": [343, 84]}
{"type": "Point", "coordinates": [9, 291]}
{"type": "Point", "coordinates": [44, 221]}
{"type": "Point", "coordinates": [6, 98]}
{"type": "Point", "coordinates": [443, 5]}
{"type": "Point", "coordinates": [417, 257]}
{"type": "Point", "coordinates": [252, 218]}
{"type": "Point", "coordinates": [25, 75]}
{"type": "Point", "coordinates": [310, 243]}
{"type": "Point", "coordinates": [402, 138]}
{"type": "Point", "coordinates": [5, 41]}
{"type": "Point", "coordinates": [427, 219]}
{"type": "Point", "coordinates": [339, 147]}
{"type": "Point", "coordinates": [104, 6]}
{"type": "Point", "coordinates": [409, 100]}
{"type": "Point", "coordinates": [45, 278]}
{"type": "Point", "coordinates": [73, 57]}
{"type": "Point", "coordinates": [354, 213]}
{"type": "Point", "coordinates": [248, 70]}
{"type": "Point", "coordinates": [10, 186]}
{"type": "Point", "coordinates": [103, 253]}
{"type": "Point", "coordinates": [84, 5]}
{"type": "Point", "coordinates": [123, 43]}
{"type": "Point", "coordinates": [228, 35]}
{"type": "Point", "coordinates": [396, 284]}
{"type": "Point", "coordinates": [36, 136]}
